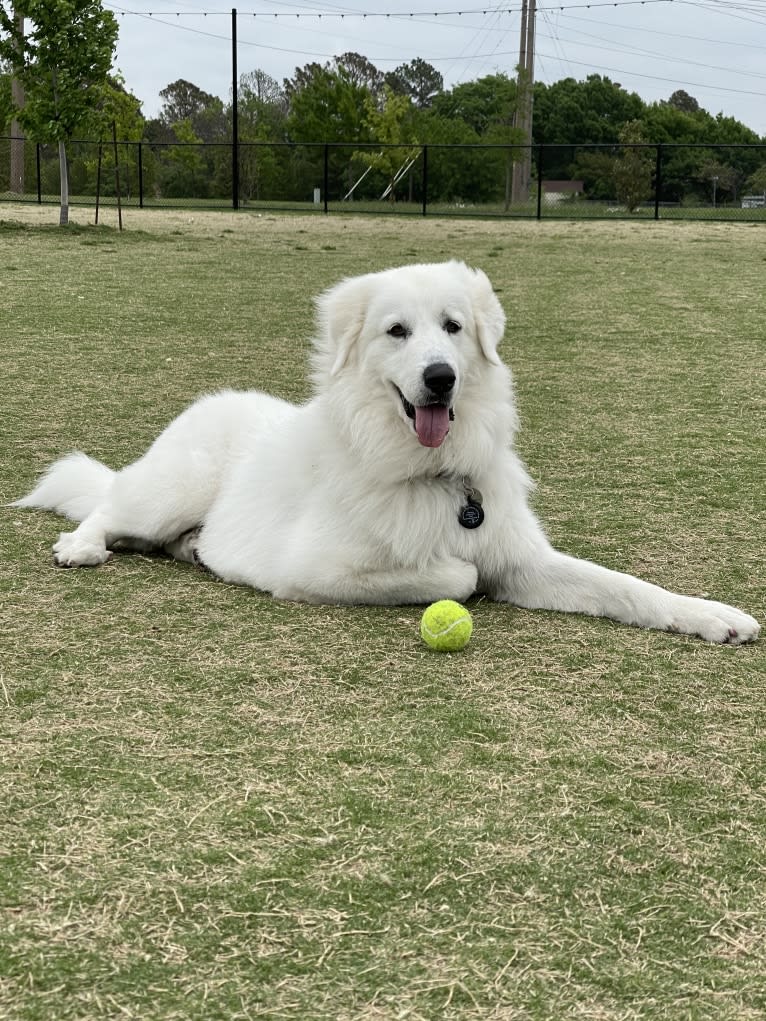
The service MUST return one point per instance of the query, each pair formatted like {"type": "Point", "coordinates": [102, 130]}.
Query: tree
{"type": "Point", "coordinates": [388, 125]}
{"type": "Point", "coordinates": [259, 87]}
{"type": "Point", "coordinates": [262, 106]}
{"type": "Point", "coordinates": [719, 180]}
{"type": "Point", "coordinates": [325, 105]}
{"type": "Point", "coordinates": [419, 80]}
{"type": "Point", "coordinates": [120, 108]}
{"type": "Point", "coordinates": [10, 101]}
{"type": "Point", "coordinates": [682, 101]}
{"type": "Point", "coordinates": [595, 168]}
{"type": "Point", "coordinates": [262, 114]}
{"type": "Point", "coordinates": [359, 71]}
{"type": "Point", "coordinates": [573, 113]}
{"type": "Point", "coordinates": [480, 104]}
{"type": "Point", "coordinates": [6, 107]}
{"type": "Point", "coordinates": [633, 167]}
{"type": "Point", "coordinates": [185, 102]}
{"type": "Point", "coordinates": [62, 64]}
{"type": "Point", "coordinates": [757, 181]}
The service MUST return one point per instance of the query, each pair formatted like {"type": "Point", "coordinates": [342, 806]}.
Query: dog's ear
{"type": "Point", "coordinates": [341, 313]}
{"type": "Point", "coordinates": [489, 316]}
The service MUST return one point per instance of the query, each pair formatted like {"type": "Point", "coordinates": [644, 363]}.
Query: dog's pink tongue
{"type": "Point", "coordinates": [432, 424]}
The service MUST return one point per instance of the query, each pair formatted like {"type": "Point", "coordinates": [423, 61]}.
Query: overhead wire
{"type": "Point", "coordinates": [481, 33]}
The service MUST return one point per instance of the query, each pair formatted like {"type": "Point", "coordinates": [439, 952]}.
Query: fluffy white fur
{"type": "Point", "coordinates": [339, 500]}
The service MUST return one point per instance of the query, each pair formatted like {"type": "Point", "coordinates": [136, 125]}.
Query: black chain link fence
{"type": "Point", "coordinates": [726, 182]}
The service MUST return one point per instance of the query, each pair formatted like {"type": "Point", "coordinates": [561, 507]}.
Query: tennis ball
{"type": "Point", "coordinates": [446, 626]}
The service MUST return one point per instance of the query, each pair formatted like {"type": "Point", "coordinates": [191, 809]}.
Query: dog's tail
{"type": "Point", "coordinates": [73, 486]}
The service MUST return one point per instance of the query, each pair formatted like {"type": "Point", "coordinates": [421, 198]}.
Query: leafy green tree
{"type": "Point", "coordinates": [390, 125]}
{"type": "Point", "coordinates": [596, 169]}
{"type": "Point", "coordinates": [757, 181]}
{"type": "Point", "coordinates": [184, 102]}
{"type": "Point", "coordinates": [720, 181]}
{"type": "Point", "coordinates": [480, 104]}
{"type": "Point", "coordinates": [262, 106]}
{"type": "Point", "coordinates": [325, 105]}
{"type": "Point", "coordinates": [122, 109]}
{"type": "Point", "coordinates": [579, 113]}
{"type": "Point", "coordinates": [419, 80]}
{"type": "Point", "coordinates": [185, 172]}
{"type": "Point", "coordinates": [359, 71]}
{"type": "Point", "coordinates": [62, 62]}
{"type": "Point", "coordinates": [682, 177]}
{"type": "Point", "coordinates": [6, 107]}
{"type": "Point", "coordinates": [457, 173]}
{"type": "Point", "coordinates": [681, 100]}
{"type": "Point", "coordinates": [667, 124]}
{"type": "Point", "coordinates": [633, 167]}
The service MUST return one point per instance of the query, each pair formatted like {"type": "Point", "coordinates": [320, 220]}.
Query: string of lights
{"type": "Point", "coordinates": [393, 15]}
{"type": "Point", "coordinates": [491, 25]}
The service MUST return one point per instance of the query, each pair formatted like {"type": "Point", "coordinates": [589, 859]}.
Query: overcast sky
{"type": "Point", "coordinates": [713, 49]}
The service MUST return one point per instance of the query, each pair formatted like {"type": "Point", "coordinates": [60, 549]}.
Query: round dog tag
{"type": "Point", "coordinates": [472, 515]}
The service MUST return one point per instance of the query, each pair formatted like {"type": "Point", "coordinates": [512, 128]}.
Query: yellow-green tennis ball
{"type": "Point", "coordinates": [446, 626]}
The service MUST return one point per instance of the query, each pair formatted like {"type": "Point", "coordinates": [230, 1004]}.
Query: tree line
{"type": "Point", "coordinates": [349, 100]}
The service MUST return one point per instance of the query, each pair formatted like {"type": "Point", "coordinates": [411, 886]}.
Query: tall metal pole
{"type": "Point", "coordinates": [234, 114]}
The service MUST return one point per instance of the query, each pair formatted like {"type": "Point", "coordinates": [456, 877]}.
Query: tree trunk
{"type": "Point", "coordinates": [17, 136]}
{"type": "Point", "coordinates": [17, 159]}
{"type": "Point", "coordinates": [63, 170]}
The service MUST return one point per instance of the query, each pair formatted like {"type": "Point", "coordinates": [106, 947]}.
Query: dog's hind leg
{"type": "Point", "coordinates": [153, 501]}
{"type": "Point", "coordinates": [149, 504]}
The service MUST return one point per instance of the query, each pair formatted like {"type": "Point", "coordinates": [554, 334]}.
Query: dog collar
{"type": "Point", "coordinates": [471, 514]}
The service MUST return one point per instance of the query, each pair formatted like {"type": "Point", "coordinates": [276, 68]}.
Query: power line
{"type": "Point", "coordinates": [494, 54]}
{"type": "Point", "coordinates": [671, 35]}
{"type": "Point", "coordinates": [658, 78]}
{"type": "Point", "coordinates": [653, 55]}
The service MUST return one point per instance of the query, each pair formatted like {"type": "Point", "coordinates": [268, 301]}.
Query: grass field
{"type": "Point", "coordinates": [217, 806]}
{"type": "Point", "coordinates": [550, 210]}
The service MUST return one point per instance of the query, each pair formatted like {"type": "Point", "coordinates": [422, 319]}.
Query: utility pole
{"type": "Point", "coordinates": [17, 137]}
{"type": "Point", "coordinates": [234, 114]}
{"type": "Point", "coordinates": [522, 168]}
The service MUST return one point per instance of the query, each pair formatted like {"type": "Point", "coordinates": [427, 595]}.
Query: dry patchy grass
{"type": "Point", "coordinates": [219, 806]}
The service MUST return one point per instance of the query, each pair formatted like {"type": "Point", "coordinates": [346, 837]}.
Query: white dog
{"type": "Point", "coordinates": [397, 483]}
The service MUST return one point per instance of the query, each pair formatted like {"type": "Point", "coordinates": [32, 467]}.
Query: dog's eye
{"type": "Point", "coordinates": [397, 330]}
{"type": "Point", "coordinates": [452, 327]}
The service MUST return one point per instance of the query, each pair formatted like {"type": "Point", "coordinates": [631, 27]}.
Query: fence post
{"type": "Point", "coordinates": [425, 178]}
{"type": "Point", "coordinates": [540, 181]}
{"type": "Point", "coordinates": [140, 175]}
{"type": "Point", "coordinates": [326, 174]}
{"type": "Point", "coordinates": [657, 182]}
{"type": "Point", "coordinates": [39, 182]}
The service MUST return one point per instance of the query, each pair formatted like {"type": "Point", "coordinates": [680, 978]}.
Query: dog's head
{"type": "Point", "coordinates": [416, 337]}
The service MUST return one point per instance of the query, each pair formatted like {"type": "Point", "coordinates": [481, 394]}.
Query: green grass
{"type": "Point", "coordinates": [217, 806]}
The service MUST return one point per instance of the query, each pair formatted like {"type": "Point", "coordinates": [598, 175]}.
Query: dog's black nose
{"type": "Point", "coordinates": [439, 378]}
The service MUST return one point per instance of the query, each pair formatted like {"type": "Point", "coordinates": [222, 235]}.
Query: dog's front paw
{"type": "Point", "coordinates": [715, 622]}
{"type": "Point", "coordinates": [72, 551]}
{"type": "Point", "coordinates": [459, 581]}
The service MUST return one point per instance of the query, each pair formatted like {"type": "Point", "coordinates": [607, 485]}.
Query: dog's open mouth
{"type": "Point", "coordinates": [431, 420]}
